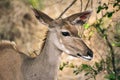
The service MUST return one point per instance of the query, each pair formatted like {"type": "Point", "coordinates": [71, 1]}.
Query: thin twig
{"type": "Point", "coordinates": [66, 9]}
{"type": "Point", "coordinates": [91, 4]}
{"type": "Point", "coordinates": [112, 56]}
{"type": "Point", "coordinates": [55, 3]}
{"type": "Point", "coordinates": [81, 4]}
{"type": "Point", "coordinates": [87, 5]}
{"type": "Point", "coordinates": [111, 51]}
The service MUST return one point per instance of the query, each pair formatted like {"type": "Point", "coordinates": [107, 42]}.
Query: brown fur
{"type": "Point", "coordinates": [10, 62]}
{"type": "Point", "coordinates": [71, 28]}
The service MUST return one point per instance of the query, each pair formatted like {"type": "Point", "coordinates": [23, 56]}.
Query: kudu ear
{"type": "Point", "coordinates": [79, 18]}
{"type": "Point", "coordinates": [42, 17]}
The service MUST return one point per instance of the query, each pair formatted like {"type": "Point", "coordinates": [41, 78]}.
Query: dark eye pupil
{"type": "Point", "coordinates": [65, 33]}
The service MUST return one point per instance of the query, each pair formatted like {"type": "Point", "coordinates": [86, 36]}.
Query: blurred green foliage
{"type": "Point", "coordinates": [117, 35]}
{"type": "Point", "coordinates": [38, 4]}
{"type": "Point", "coordinates": [62, 66]}
{"type": "Point", "coordinates": [105, 6]}
{"type": "Point", "coordinates": [92, 71]}
{"type": "Point", "coordinates": [86, 25]}
{"type": "Point", "coordinates": [111, 76]}
{"type": "Point", "coordinates": [109, 64]}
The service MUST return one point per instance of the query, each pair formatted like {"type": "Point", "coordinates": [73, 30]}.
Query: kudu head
{"type": "Point", "coordinates": [66, 38]}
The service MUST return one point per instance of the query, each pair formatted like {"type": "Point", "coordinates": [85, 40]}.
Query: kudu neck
{"type": "Point", "coordinates": [45, 66]}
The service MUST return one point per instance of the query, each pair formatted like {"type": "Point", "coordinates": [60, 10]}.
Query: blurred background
{"type": "Point", "coordinates": [101, 33]}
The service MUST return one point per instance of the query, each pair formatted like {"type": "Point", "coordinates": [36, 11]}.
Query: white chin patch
{"type": "Point", "coordinates": [86, 57]}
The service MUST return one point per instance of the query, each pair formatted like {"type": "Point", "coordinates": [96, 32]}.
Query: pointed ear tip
{"type": "Point", "coordinates": [32, 8]}
{"type": "Point", "coordinates": [35, 11]}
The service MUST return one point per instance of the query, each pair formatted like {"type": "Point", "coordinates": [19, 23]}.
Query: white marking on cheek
{"type": "Point", "coordinates": [64, 48]}
{"type": "Point", "coordinates": [60, 41]}
{"type": "Point", "coordinates": [67, 51]}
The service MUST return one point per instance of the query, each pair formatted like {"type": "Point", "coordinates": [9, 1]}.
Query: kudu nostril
{"type": "Point", "coordinates": [90, 53]}
{"type": "Point", "coordinates": [78, 54]}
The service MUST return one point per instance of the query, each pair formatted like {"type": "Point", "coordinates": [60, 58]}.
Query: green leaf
{"type": "Point", "coordinates": [109, 14]}
{"type": "Point", "coordinates": [105, 6]}
{"type": "Point", "coordinates": [90, 34]}
{"type": "Point", "coordinates": [72, 65]}
{"type": "Point", "coordinates": [118, 77]}
{"type": "Point", "coordinates": [110, 76]}
{"type": "Point", "coordinates": [99, 8]}
{"type": "Point", "coordinates": [115, 4]}
{"type": "Point", "coordinates": [61, 67]}
{"type": "Point", "coordinates": [76, 71]}
{"type": "Point", "coordinates": [37, 3]}
{"type": "Point", "coordinates": [116, 44]}
{"type": "Point", "coordinates": [86, 67]}
{"type": "Point", "coordinates": [86, 26]}
{"type": "Point", "coordinates": [97, 64]}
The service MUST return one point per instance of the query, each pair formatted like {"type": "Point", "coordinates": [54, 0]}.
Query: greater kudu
{"type": "Point", "coordinates": [62, 36]}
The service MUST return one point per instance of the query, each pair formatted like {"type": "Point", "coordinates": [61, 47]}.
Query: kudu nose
{"type": "Point", "coordinates": [90, 53]}
{"type": "Point", "coordinates": [87, 56]}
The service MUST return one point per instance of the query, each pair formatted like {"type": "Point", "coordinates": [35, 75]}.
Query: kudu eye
{"type": "Point", "coordinates": [65, 33]}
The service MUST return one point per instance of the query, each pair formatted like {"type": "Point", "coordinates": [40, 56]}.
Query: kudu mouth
{"type": "Point", "coordinates": [89, 55]}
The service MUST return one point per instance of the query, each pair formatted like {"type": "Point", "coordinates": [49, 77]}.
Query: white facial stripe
{"type": "Point", "coordinates": [64, 48]}
{"type": "Point", "coordinates": [59, 44]}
